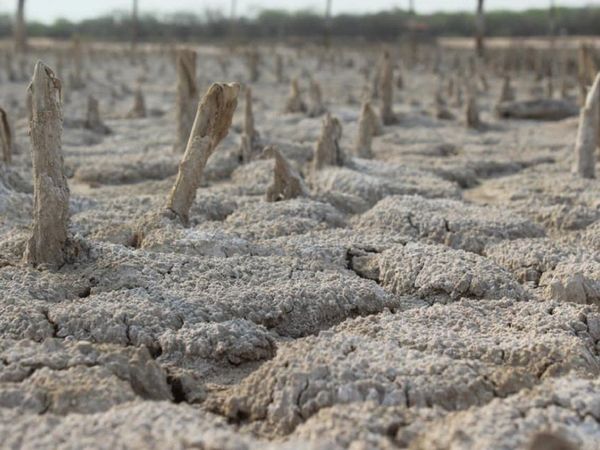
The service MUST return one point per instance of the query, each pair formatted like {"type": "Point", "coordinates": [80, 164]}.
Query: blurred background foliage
{"type": "Point", "coordinates": [273, 24]}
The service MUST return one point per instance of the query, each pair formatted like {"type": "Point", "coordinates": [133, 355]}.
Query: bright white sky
{"type": "Point", "coordinates": [49, 10]}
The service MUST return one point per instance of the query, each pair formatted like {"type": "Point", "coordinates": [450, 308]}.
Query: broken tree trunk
{"type": "Point", "coordinates": [60, 62]}
{"type": "Point", "coordinates": [588, 134]}
{"type": "Point", "coordinates": [253, 61]}
{"type": "Point", "coordinates": [508, 92]}
{"type": "Point", "coordinates": [294, 103]}
{"type": "Point", "coordinates": [564, 88]}
{"type": "Point", "coordinates": [315, 108]}
{"type": "Point", "coordinates": [76, 78]}
{"type": "Point", "coordinates": [287, 182]}
{"type": "Point", "coordinates": [549, 75]}
{"type": "Point", "coordinates": [134, 30]}
{"type": "Point", "coordinates": [549, 87]}
{"type": "Point", "coordinates": [366, 131]}
{"type": "Point", "coordinates": [375, 82]}
{"type": "Point", "coordinates": [472, 109]}
{"type": "Point", "coordinates": [372, 117]}
{"type": "Point", "coordinates": [187, 97]}
{"type": "Point", "coordinates": [23, 68]}
{"type": "Point", "coordinates": [450, 88]}
{"type": "Point", "coordinates": [458, 96]}
{"type": "Point", "coordinates": [46, 245]}
{"type": "Point", "coordinates": [251, 143]}
{"type": "Point", "coordinates": [586, 71]}
{"type": "Point", "coordinates": [376, 124]}
{"type": "Point", "coordinates": [211, 125]}
{"type": "Point", "coordinates": [93, 121]}
{"type": "Point", "coordinates": [139, 105]}
{"type": "Point", "coordinates": [386, 89]}
{"type": "Point", "coordinates": [328, 151]}
{"type": "Point", "coordinates": [5, 138]}
{"type": "Point", "coordinates": [279, 68]}
{"type": "Point", "coordinates": [483, 81]}
{"type": "Point", "coordinates": [441, 108]}
{"type": "Point", "coordinates": [10, 71]}
{"type": "Point", "coordinates": [20, 28]}
{"type": "Point", "coordinates": [400, 80]}
{"type": "Point", "coordinates": [479, 30]}
{"type": "Point", "coordinates": [224, 64]}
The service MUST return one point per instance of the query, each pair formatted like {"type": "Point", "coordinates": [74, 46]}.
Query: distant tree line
{"type": "Point", "coordinates": [274, 24]}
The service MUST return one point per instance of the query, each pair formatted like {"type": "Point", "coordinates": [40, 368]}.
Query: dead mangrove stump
{"type": "Point", "coordinates": [588, 134]}
{"type": "Point", "coordinates": [5, 138]}
{"type": "Point", "coordinates": [315, 97]}
{"type": "Point", "coordinates": [287, 182]}
{"type": "Point", "coordinates": [367, 127]}
{"type": "Point", "coordinates": [138, 111]}
{"type": "Point", "coordinates": [46, 246]}
{"type": "Point", "coordinates": [294, 103]}
{"type": "Point", "coordinates": [386, 90]}
{"type": "Point", "coordinates": [328, 151]}
{"type": "Point", "coordinates": [187, 97]}
{"type": "Point", "coordinates": [93, 121]}
{"type": "Point", "coordinates": [250, 146]}
{"type": "Point", "coordinates": [211, 125]}
{"type": "Point", "coordinates": [279, 75]}
{"type": "Point", "coordinates": [508, 93]}
{"type": "Point", "coordinates": [472, 110]}
{"type": "Point", "coordinates": [253, 63]}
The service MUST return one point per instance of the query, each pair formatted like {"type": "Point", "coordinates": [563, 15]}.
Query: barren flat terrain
{"type": "Point", "coordinates": [426, 285]}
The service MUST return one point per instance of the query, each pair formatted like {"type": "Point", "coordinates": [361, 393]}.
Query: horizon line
{"type": "Point", "coordinates": [253, 15]}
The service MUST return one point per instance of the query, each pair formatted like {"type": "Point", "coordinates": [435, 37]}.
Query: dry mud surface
{"type": "Point", "coordinates": [443, 295]}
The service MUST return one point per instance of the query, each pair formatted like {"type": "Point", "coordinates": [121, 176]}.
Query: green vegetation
{"type": "Point", "coordinates": [269, 24]}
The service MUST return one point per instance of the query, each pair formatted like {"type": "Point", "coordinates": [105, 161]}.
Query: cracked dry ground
{"type": "Point", "coordinates": [442, 295]}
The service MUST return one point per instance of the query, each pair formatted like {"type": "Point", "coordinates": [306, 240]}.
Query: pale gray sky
{"type": "Point", "coordinates": [49, 10]}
